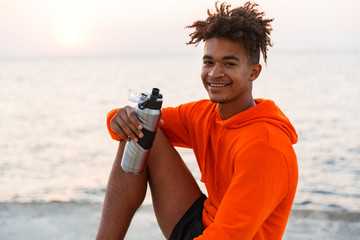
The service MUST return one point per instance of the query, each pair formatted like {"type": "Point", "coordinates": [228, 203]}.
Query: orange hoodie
{"type": "Point", "coordinates": [247, 163]}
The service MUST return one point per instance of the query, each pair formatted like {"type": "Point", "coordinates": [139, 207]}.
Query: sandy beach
{"type": "Point", "coordinates": [67, 221]}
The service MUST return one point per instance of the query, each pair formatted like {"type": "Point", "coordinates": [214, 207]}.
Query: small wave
{"type": "Point", "coordinates": [329, 215]}
{"type": "Point", "coordinates": [307, 202]}
{"type": "Point", "coordinates": [322, 192]}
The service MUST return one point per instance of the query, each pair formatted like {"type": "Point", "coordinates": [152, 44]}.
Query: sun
{"type": "Point", "coordinates": [69, 33]}
{"type": "Point", "coordinates": [70, 38]}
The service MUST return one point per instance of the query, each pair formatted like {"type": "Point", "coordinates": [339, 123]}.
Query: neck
{"type": "Point", "coordinates": [226, 111]}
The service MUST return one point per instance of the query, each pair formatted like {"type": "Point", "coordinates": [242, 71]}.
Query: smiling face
{"type": "Point", "coordinates": [227, 76]}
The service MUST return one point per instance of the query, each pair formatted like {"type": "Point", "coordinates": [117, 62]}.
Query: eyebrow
{"type": "Point", "coordinates": [207, 57]}
{"type": "Point", "coordinates": [229, 57]}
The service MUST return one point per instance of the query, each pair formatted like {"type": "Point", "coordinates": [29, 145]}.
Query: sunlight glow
{"type": "Point", "coordinates": [70, 32]}
{"type": "Point", "coordinates": [43, 27]}
{"type": "Point", "coordinates": [70, 39]}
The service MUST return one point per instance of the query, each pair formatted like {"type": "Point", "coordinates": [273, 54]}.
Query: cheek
{"type": "Point", "coordinates": [203, 76]}
{"type": "Point", "coordinates": [204, 73]}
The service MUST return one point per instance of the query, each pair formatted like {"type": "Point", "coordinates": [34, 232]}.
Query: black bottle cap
{"type": "Point", "coordinates": [154, 102]}
{"type": "Point", "coordinates": [155, 93]}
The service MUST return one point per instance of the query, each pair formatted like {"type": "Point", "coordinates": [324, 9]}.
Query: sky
{"type": "Point", "coordinates": [115, 27]}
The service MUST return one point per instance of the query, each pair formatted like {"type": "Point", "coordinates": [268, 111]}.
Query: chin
{"type": "Point", "coordinates": [218, 97]}
{"type": "Point", "coordinates": [217, 100]}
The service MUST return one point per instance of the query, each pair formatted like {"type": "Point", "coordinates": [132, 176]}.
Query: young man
{"type": "Point", "coordinates": [243, 146]}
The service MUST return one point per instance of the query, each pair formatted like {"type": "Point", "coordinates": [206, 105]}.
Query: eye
{"type": "Point", "coordinates": [207, 62]}
{"type": "Point", "coordinates": [229, 64]}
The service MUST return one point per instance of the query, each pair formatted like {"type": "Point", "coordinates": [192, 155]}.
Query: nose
{"type": "Point", "coordinates": [216, 71]}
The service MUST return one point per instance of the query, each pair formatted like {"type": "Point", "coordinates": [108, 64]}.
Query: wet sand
{"type": "Point", "coordinates": [30, 221]}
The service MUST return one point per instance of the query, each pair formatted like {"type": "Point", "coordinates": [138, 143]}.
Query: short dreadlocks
{"type": "Point", "coordinates": [245, 25]}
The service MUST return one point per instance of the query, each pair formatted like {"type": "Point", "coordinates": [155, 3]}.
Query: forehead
{"type": "Point", "coordinates": [220, 47]}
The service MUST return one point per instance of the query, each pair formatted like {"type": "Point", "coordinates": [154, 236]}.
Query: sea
{"type": "Point", "coordinates": [54, 146]}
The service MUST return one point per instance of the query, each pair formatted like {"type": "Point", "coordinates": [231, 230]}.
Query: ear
{"type": "Point", "coordinates": [255, 71]}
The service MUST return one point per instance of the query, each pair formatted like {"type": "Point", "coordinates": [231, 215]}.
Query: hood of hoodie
{"type": "Point", "coordinates": [264, 111]}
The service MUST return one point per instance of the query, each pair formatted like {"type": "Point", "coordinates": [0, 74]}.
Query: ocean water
{"type": "Point", "coordinates": [54, 145]}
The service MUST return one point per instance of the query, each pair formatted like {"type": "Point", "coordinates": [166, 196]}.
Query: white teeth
{"type": "Point", "coordinates": [218, 85]}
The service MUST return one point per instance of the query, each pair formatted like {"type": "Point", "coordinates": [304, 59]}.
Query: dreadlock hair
{"type": "Point", "coordinates": [245, 25]}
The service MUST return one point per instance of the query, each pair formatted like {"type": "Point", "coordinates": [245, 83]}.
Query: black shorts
{"type": "Point", "coordinates": [190, 225]}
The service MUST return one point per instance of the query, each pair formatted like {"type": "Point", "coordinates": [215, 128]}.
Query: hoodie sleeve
{"type": "Point", "coordinates": [259, 184]}
{"type": "Point", "coordinates": [109, 116]}
{"type": "Point", "coordinates": [176, 124]}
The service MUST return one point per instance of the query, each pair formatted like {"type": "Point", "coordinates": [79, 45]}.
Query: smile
{"type": "Point", "coordinates": [218, 84]}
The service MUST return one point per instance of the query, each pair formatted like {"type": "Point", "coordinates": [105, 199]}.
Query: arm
{"type": "Point", "coordinates": [174, 124]}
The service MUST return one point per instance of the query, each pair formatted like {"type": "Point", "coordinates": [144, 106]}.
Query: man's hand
{"type": "Point", "coordinates": [126, 124]}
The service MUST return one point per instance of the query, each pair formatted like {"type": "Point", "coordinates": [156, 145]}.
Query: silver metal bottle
{"type": "Point", "coordinates": [148, 111]}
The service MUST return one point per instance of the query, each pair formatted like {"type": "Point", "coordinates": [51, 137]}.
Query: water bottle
{"type": "Point", "coordinates": [148, 111]}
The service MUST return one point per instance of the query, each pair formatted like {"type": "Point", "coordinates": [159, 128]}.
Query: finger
{"type": "Point", "coordinates": [116, 128]}
{"type": "Point", "coordinates": [119, 125]}
{"type": "Point", "coordinates": [128, 116]}
{"type": "Point", "coordinates": [134, 122]}
{"type": "Point", "coordinates": [134, 119]}
{"type": "Point", "coordinates": [124, 124]}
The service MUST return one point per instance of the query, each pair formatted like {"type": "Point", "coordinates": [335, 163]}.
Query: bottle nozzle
{"type": "Point", "coordinates": [154, 101]}
{"type": "Point", "coordinates": [155, 92]}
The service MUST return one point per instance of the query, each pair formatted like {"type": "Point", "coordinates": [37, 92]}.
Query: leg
{"type": "Point", "coordinates": [173, 187]}
{"type": "Point", "coordinates": [173, 190]}
{"type": "Point", "coordinates": [124, 195]}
